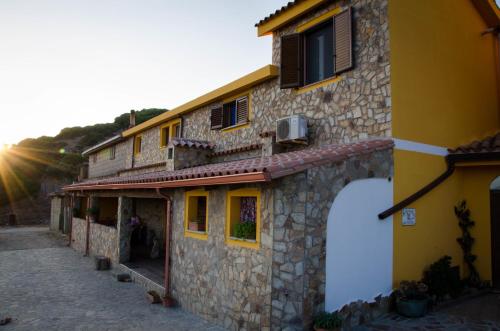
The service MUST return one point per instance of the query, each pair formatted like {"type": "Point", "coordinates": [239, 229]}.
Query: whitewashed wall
{"type": "Point", "coordinates": [359, 246]}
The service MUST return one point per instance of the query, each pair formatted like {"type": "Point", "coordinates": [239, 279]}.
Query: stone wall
{"type": "Point", "coordinates": [357, 106]}
{"type": "Point", "coordinates": [103, 240]}
{"type": "Point", "coordinates": [56, 210]}
{"type": "Point", "coordinates": [79, 234]}
{"type": "Point", "coordinates": [230, 285]}
{"type": "Point", "coordinates": [104, 166]}
{"type": "Point", "coordinates": [302, 203]}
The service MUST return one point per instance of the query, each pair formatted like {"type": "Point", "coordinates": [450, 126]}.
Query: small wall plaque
{"type": "Point", "coordinates": [409, 216]}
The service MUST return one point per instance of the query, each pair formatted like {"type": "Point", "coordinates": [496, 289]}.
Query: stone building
{"type": "Point", "coordinates": [257, 205]}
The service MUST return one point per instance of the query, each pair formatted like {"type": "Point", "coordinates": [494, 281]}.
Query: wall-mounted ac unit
{"type": "Point", "coordinates": [291, 129]}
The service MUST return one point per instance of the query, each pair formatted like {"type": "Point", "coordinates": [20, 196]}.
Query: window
{"type": "Point", "coordinates": [107, 211]}
{"type": "Point", "coordinates": [94, 158]}
{"type": "Point", "coordinates": [230, 114]}
{"type": "Point", "coordinates": [243, 218]}
{"type": "Point", "coordinates": [137, 145]}
{"type": "Point", "coordinates": [170, 130]}
{"type": "Point", "coordinates": [112, 152]}
{"type": "Point", "coordinates": [318, 43]}
{"type": "Point", "coordinates": [80, 207]}
{"type": "Point", "coordinates": [196, 214]}
{"type": "Point", "coordinates": [318, 53]}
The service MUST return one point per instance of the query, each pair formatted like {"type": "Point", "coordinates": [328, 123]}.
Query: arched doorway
{"type": "Point", "coordinates": [495, 231]}
{"type": "Point", "coordinates": [359, 246]}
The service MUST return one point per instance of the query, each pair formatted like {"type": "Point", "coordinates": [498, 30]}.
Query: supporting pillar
{"type": "Point", "coordinates": [124, 215]}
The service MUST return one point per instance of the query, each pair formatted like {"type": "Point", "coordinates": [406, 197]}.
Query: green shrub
{"type": "Point", "coordinates": [245, 230]}
{"type": "Point", "coordinates": [443, 279]}
{"type": "Point", "coordinates": [328, 321]}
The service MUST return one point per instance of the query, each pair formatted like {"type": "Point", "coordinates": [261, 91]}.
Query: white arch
{"type": "Point", "coordinates": [359, 246]}
{"type": "Point", "coordinates": [495, 184]}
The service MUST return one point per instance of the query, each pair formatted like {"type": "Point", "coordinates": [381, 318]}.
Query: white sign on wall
{"type": "Point", "coordinates": [409, 216]}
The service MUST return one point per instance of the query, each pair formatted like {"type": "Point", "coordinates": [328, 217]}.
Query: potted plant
{"type": "Point", "coordinates": [412, 299]}
{"type": "Point", "coordinates": [196, 225]}
{"type": "Point", "coordinates": [245, 230]}
{"type": "Point", "coordinates": [327, 322]}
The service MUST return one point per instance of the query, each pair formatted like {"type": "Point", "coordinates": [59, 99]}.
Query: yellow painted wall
{"type": "Point", "coordinates": [476, 184]}
{"type": "Point", "coordinates": [436, 229]}
{"type": "Point", "coordinates": [443, 76]}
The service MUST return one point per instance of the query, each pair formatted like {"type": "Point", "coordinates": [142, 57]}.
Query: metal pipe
{"type": "Point", "coordinates": [168, 301]}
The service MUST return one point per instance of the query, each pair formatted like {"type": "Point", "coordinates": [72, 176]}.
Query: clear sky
{"type": "Point", "coordinates": [69, 63]}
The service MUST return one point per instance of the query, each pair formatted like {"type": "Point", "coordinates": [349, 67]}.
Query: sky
{"type": "Point", "coordinates": [73, 63]}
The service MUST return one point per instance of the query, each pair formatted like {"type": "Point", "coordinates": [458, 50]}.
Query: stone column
{"type": "Point", "coordinates": [124, 214]}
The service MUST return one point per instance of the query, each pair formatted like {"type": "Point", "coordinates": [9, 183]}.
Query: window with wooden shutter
{"type": "Point", "coordinates": [291, 61]}
{"type": "Point", "coordinates": [216, 118]}
{"type": "Point", "coordinates": [342, 27]}
{"type": "Point", "coordinates": [242, 110]}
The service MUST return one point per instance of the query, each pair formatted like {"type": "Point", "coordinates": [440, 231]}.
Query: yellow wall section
{"type": "Point", "coordinates": [444, 89]}
{"type": "Point", "coordinates": [436, 229]}
{"type": "Point", "coordinates": [476, 185]}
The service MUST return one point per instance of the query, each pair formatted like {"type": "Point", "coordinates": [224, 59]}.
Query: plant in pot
{"type": "Point", "coordinates": [412, 299]}
{"type": "Point", "coordinates": [93, 213]}
{"type": "Point", "coordinates": [327, 322]}
{"type": "Point", "coordinates": [245, 230]}
{"type": "Point", "coordinates": [196, 225]}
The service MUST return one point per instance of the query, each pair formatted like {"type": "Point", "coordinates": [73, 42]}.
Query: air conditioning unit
{"type": "Point", "coordinates": [291, 129]}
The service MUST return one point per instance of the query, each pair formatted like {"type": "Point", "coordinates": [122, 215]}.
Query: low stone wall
{"type": "Point", "coordinates": [103, 241]}
{"type": "Point", "coordinates": [79, 234]}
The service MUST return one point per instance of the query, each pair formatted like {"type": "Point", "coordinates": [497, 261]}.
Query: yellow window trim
{"type": "Point", "coordinates": [315, 21]}
{"type": "Point", "coordinates": [321, 83]}
{"type": "Point", "coordinates": [246, 192]}
{"type": "Point", "coordinates": [170, 126]}
{"type": "Point", "coordinates": [137, 147]}
{"type": "Point", "coordinates": [247, 94]}
{"type": "Point", "coordinates": [187, 232]}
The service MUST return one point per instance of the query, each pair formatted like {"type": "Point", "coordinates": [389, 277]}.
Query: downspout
{"type": "Point", "coordinates": [451, 160]}
{"type": "Point", "coordinates": [168, 301]}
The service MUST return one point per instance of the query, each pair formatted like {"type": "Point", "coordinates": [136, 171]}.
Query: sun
{"type": "Point", "coordinates": [5, 147]}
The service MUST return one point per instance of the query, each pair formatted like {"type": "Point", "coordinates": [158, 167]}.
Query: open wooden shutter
{"type": "Point", "coordinates": [242, 110]}
{"type": "Point", "coordinates": [342, 30]}
{"type": "Point", "coordinates": [216, 118]}
{"type": "Point", "coordinates": [291, 74]}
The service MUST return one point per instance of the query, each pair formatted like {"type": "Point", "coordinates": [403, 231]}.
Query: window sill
{"type": "Point", "coordinates": [201, 235]}
{"type": "Point", "coordinates": [236, 127]}
{"type": "Point", "coordinates": [321, 83]}
{"type": "Point", "coordinates": [247, 243]}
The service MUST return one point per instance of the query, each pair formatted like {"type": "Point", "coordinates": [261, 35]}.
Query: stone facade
{"type": "Point", "coordinates": [56, 212]}
{"type": "Point", "coordinates": [104, 165]}
{"type": "Point", "coordinates": [152, 213]}
{"type": "Point", "coordinates": [103, 241]}
{"type": "Point", "coordinates": [79, 234]}
{"type": "Point", "coordinates": [227, 284]}
{"type": "Point", "coordinates": [302, 203]}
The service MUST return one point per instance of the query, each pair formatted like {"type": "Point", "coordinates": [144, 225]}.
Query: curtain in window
{"type": "Point", "coordinates": [248, 209]}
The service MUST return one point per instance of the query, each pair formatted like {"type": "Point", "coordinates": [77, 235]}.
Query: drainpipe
{"type": "Point", "coordinates": [451, 160]}
{"type": "Point", "coordinates": [168, 301]}
{"type": "Point", "coordinates": [87, 217]}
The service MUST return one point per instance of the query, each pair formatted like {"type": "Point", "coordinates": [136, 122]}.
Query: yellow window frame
{"type": "Point", "coordinates": [231, 216]}
{"type": "Point", "coordinates": [248, 95]}
{"type": "Point", "coordinates": [138, 144]}
{"type": "Point", "coordinates": [171, 133]}
{"type": "Point", "coordinates": [187, 208]}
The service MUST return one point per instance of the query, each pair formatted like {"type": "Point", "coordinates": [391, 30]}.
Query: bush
{"type": "Point", "coordinates": [245, 230]}
{"type": "Point", "coordinates": [328, 321]}
{"type": "Point", "coordinates": [412, 290]}
{"type": "Point", "coordinates": [443, 279]}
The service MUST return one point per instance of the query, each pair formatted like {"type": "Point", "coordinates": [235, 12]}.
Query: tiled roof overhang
{"type": "Point", "coordinates": [262, 169]}
{"type": "Point", "coordinates": [490, 144]}
{"type": "Point", "coordinates": [192, 143]}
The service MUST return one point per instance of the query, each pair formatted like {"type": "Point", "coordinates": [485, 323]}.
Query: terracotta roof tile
{"type": "Point", "coordinates": [274, 166]}
{"type": "Point", "coordinates": [192, 143]}
{"type": "Point", "coordinates": [490, 144]}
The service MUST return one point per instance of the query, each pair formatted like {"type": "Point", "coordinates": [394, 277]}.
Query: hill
{"type": "Point", "coordinates": [35, 166]}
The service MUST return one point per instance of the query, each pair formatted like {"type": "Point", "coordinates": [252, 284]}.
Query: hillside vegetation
{"type": "Point", "coordinates": [27, 164]}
